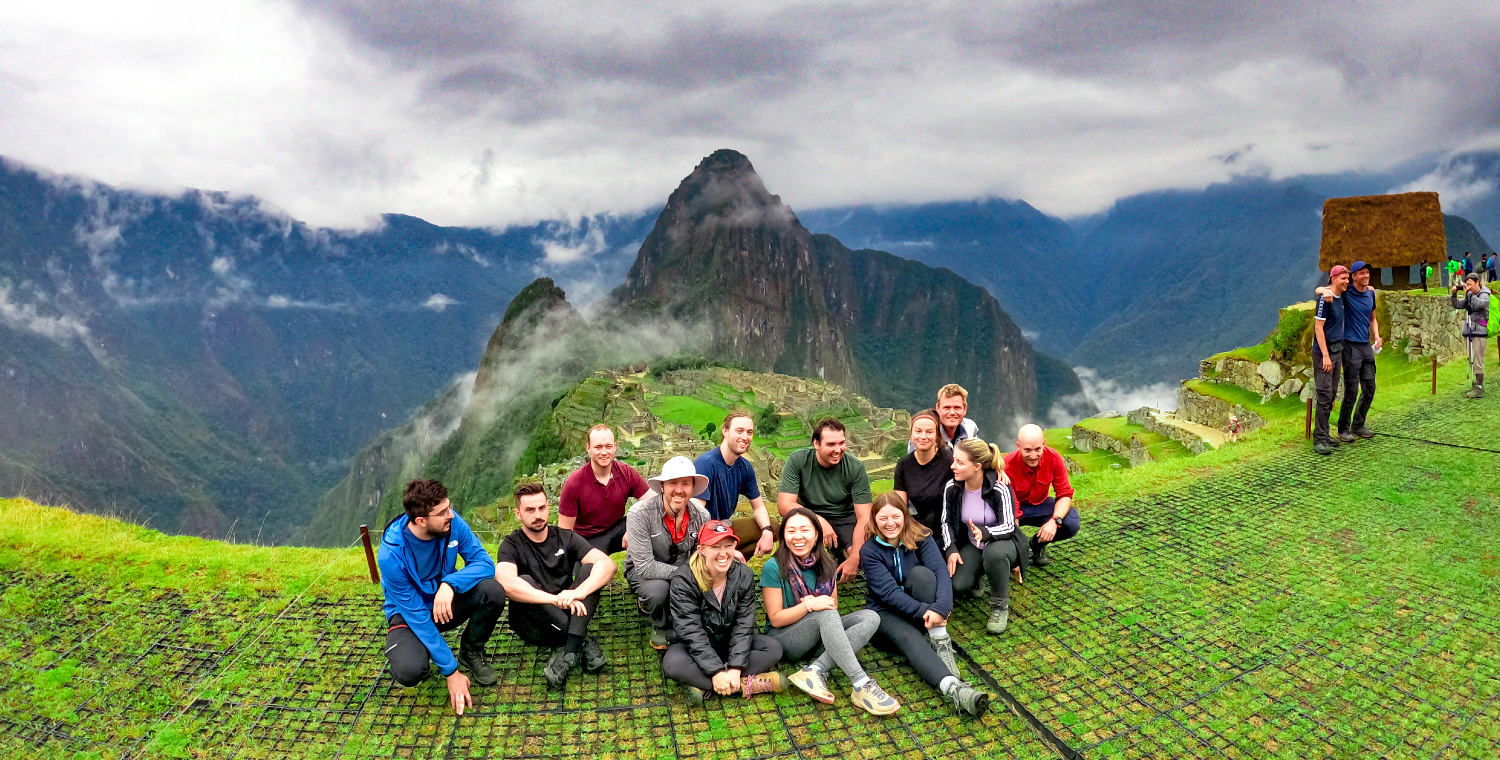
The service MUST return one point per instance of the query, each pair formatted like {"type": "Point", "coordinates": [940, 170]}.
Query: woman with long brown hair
{"type": "Point", "coordinates": [907, 585]}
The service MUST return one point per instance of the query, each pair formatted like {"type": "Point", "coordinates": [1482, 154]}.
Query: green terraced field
{"type": "Point", "coordinates": [1256, 601]}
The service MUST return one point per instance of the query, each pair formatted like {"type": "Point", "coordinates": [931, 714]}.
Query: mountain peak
{"type": "Point", "coordinates": [724, 188]}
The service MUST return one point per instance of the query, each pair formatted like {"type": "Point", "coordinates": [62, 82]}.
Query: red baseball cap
{"type": "Point", "coordinates": [715, 531]}
{"type": "Point", "coordinates": [1337, 270]}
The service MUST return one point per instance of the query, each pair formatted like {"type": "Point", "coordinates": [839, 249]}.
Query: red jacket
{"type": "Point", "coordinates": [1032, 484]}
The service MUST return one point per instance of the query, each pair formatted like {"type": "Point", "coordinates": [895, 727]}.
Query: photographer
{"type": "Point", "coordinates": [1476, 301]}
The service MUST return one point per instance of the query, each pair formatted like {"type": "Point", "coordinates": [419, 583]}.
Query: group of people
{"type": "Point", "coordinates": [1484, 267]}
{"type": "Point", "coordinates": [951, 526]}
{"type": "Point", "coordinates": [1346, 338]}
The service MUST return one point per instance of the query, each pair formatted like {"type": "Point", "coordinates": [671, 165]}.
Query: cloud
{"type": "Point", "coordinates": [1104, 394]}
{"type": "Point", "coordinates": [438, 302]}
{"type": "Point", "coordinates": [573, 244]}
{"type": "Point", "coordinates": [28, 317]}
{"type": "Point", "coordinates": [1459, 184]}
{"type": "Point", "coordinates": [285, 302]}
{"type": "Point", "coordinates": [501, 113]}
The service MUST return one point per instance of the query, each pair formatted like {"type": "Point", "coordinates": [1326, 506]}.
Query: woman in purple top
{"type": "Point", "coordinates": [980, 528]}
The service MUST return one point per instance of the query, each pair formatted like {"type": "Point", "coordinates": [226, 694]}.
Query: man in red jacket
{"type": "Point", "coordinates": [1040, 478]}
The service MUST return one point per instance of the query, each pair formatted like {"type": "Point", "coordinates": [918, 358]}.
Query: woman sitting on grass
{"type": "Point", "coordinates": [907, 585]}
{"type": "Point", "coordinates": [980, 529]}
{"type": "Point", "coordinates": [802, 610]}
{"type": "Point", "coordinates": [715, 648]}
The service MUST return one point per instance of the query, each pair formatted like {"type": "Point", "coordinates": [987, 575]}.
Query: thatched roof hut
{"type": "Point", "coordinates": [1394, 231]}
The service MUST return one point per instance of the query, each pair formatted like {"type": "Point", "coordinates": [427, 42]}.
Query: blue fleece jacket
{"type": "Point", "coordinates": [886, 568]}
{"type": "Point", "coordinates": [410, 578]}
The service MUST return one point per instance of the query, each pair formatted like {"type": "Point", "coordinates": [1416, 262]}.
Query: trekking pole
{"type": "Point", "coordinates": [1307, 431]}
{"type": "Point", "coordinates": [364, 535]}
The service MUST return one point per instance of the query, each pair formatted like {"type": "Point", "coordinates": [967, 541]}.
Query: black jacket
{"type": "Point", "coordinates": [716, 635]}
{"type": "Point", "coordinates": [1001, 499]}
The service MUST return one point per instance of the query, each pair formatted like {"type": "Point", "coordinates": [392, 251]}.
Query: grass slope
{"type": "Point", "coordinates": [1254, 601]}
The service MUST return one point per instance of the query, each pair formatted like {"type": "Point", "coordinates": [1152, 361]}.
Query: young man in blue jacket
{"type": "Point", "coordinates": [426, 593]}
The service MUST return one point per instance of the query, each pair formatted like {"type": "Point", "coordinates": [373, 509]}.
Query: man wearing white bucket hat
{"type": "Point", "coordinates": [662, 532]}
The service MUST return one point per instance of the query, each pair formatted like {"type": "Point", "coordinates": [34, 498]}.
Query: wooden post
{"type": "Point", "coordinates": [364, 535]}
{"type": "Point", "coordinates": [1307, 432]}
{"type": "Point", "coordinates": [1434, 374]}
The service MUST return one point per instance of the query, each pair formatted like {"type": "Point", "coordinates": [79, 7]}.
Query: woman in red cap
{"type": "Point", "coordinates": [714, 648]}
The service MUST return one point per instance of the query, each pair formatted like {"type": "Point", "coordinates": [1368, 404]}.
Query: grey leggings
{"type": "Point", "coordinates": [841, 637]}
{"type": "Point", "coordinates": [996, 560]}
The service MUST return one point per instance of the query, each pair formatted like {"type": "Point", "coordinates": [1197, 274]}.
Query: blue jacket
{"type": "Point", "coordinates": [886, 568]}
{"type": "Point", "coordinates": [410, 594]}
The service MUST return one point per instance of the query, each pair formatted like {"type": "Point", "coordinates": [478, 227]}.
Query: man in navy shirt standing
{"type": "Point", "coordinates": [1327, 355]}
{"type": "Point", "coordinates": [1361, 341]}
{"type": "Point", "coordinates": [730, 476]}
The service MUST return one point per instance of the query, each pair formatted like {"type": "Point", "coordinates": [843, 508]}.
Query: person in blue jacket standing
{"type": "Point", "coordinates": [426, 593]}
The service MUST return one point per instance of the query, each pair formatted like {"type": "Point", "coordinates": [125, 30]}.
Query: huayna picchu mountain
{"type": "Point", "coordinates": [727, 275]}
{"type": "Point", "coordinates": [727, 254]}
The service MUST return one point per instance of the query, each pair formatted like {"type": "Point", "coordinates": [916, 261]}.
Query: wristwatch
{"type": "Point", "coordinates": [1058, 520]}
{"type": "Point", "coordinates": [764, 528]}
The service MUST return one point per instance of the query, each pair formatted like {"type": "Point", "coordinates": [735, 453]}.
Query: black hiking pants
{"type": "Point", "coordinates": [480, 607]}
{"type": "Point", "coordinates": [908, 636]}
{"type": "Point", "coordinates": [1327, 385]}
{"type": "Point", "coordinates": [1359, 381]}
{"type": "Point", "coordinates": [547, 625]}
{"type": "Point", "coordinates": [680, 666]}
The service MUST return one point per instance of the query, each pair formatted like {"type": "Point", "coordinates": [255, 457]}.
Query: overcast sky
{"type": "Point", "coordinates": [491, 113]}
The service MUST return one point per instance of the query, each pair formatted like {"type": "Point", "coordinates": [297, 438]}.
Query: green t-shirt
{"type": "Point", "coordinates": [770, 577]}
{"type": "Point", "coordinates": [828, 491]}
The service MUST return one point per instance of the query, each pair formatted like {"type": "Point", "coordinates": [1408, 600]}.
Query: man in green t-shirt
{"type": "Point", "coordinates": [826, 480]}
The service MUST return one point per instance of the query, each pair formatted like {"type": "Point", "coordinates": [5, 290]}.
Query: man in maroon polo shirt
{"type": "Point", "coordinates": [1035, 469]}
{"type": "Point", "coordinates": [592, 502]}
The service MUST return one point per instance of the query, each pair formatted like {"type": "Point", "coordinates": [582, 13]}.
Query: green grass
{"type": "Point", "coordinates": [1118, 428]}
{"type": "Point", "coordinates": [1254, 601]}
{"type": "Point", "coordinates": [686, 410]}
{"type": "Point", "coordinates": [1257, 353]}
{"type": "Point", "coordinates": [1090, 461]}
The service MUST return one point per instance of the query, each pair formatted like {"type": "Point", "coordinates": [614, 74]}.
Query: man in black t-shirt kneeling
{"type": "Point", "coordinates": [552, 578]}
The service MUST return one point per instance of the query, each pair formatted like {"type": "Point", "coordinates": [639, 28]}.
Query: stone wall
{"type": "Point", "coordinates": [1214, 412]}
{"type": "Point", "coordinates": [1269, 378]}
{"type": "Point", "coordinates": [1428, 325]}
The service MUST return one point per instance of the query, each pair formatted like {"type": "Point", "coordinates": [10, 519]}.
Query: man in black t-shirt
{"type": "Point", "coordinates": [552, 577]}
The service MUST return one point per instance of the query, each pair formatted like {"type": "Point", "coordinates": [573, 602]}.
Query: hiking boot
{"type": "Point", "coordinates": [1364, 432]}
{"type": "Point", "coordinates": [557, 668]}
{"type": "Point", "coordinates": [873, 699]}
{"type": "Point", "coordinates": [693, 695]}
{"type": "Point", "coordinates": [811, 681]}
{"type": "Point", "coordinates": [1039, 556]}
{"type": "Point", "coordinates": [658, 639]}
{"type": "Point", "coordinates": [593, 655]}
{"type": "Point", "coordinates": [1476, 392]}
{"type": "Point", "coordinates": [944, 648]}
{"type": "Point", "coordinates": [968, 699]}
{"type": "Point", "coordinates": [761, 683]}
{"type": "Point", "coordinates": [479, 669]}
{"type": "Point", "coordinates": [999, 616]}
{"type": "Point", "coordinates": [1345, 436]}
{"type": "Point", "coordinates": [1322, 447]}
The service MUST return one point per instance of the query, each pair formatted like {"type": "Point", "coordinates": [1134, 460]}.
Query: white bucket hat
{"type": "Point", "coordinates": [679, 467]}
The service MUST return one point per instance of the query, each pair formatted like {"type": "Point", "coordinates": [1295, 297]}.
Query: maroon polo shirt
{"type": "Point", "coordinates": [596, 506]}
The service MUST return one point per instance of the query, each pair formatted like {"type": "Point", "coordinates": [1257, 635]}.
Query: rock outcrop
{"type": "Point", "coordinates": [729, 255]}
